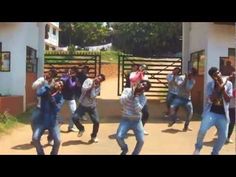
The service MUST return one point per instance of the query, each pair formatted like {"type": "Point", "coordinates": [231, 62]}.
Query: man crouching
{"type": "Point", "coordinates": [132, 100]}
{"type": "Point", "coordinates": [51, 102]}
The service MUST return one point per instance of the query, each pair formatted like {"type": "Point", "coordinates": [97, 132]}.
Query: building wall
{"type": "Point", "coordinates": [15, 37]}
{"type": "Point", "coordinates": [53, 40]}
{"type": "Point", "coordinates": [12, 38]}
{"type": "Point", "coordinates": [194, 39]}
{"type": "Point", "coordinates": [215, 39]}
{"type": "Point", "coordinates": [220, 38]}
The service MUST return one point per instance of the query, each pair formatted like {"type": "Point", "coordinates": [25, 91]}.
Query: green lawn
{"type": "Point", "coordinates": [109, 56]}
{"type": "Point", "coordinates": [8, 122]}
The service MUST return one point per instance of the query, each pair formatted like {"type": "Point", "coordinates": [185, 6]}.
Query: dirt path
{"type": "Point", "coordinates": [162, 140]}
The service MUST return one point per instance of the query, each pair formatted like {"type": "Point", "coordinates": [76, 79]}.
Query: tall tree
{"type": "Point", "coordinates": [148, 38]}
{"type": "Point", "coordinates": [84, 33]}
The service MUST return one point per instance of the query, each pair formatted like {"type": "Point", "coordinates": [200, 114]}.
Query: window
{"type": "Point", "coordinates": [54, 31]}
{"type": "Point", "coordinates": [46, 31]}
{"type": "Point", "coordinates": [197, 61]}
{"type": "Point", "coordinates": [5, 61]}
{"type": "Point", "coordinates": [31, 60]}
{"type": "Point", "coordinates": [227, 63]}
{"type": "Point", "coordinates": [231, 52]}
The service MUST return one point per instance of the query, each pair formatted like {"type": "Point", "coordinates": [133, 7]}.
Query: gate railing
{"type": "Point", "coordinates": [158, 69]}
{"type": "Point", "coordinates": [62, 61]}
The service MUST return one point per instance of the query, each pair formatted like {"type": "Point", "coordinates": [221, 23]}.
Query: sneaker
{"type": "Point", "coordinates": [196, 152]}
{"type": "Point", "coordinates": [81, 132]}
{"type": "Point", "coordinates": [186, 129]}
{"type": "Point", "coordinates": [145, 132]}
{"type": "Point", "coordinates": [124, 152]}
{"type": "Point", "coordinates": [229, 141]}
{"type": "Point", "coordinates": [171, 124]}
{"type": "Point", "coordinates": [73, 129]}
{"type": "Point", "coordinates": [94, 140]}
{"type": "Point", "coordinates": [50, 142]}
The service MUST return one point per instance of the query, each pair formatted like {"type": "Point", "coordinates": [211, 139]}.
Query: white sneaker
{"type": "Point", "coordinates": [145, 132]}
{"type": "Point", "coordinates": [73, 129]}
{"type": "Point", "coordinates": [50, 142]}
{"type": "Point", "coordinates": [229, 141]}
{"type": "Point", "coordinates": [94, 140]}
{"type": "Point", "coordinates": [196, 152]}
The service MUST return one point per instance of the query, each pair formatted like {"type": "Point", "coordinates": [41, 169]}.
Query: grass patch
{"type": "Point", "coordinates": [8, 121]}
{"type": "Point", "coordinates": [109, 56]}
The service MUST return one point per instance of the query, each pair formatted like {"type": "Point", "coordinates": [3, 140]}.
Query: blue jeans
{"type": "Point", "coordinates": [34, 119]}
{"type": "Point", "coordinates": [145, 114]}
{"type": "Point", "coordinates": [170, 98]}
{"type": "Point", "coordinates": [72, 107]}
{"type": "Point", "coordinates": [54, 132]}
{"type": "Point", "coordinates": [93, 114]}
{"type": "Point", "coordinates": [135, 125]}
{"type": "Point", "coordinates": [212, 119]}
{"type": "Point", "coordinates": [188, 106]}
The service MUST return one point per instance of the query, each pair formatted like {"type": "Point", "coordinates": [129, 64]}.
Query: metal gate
{"type": "Point", "coordinates": [62, 61]}
{"type": "Point", "coordinates": [158, 69]}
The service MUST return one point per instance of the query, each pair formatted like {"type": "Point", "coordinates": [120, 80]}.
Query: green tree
{"type": "Point", "coordinates": [147, 38]}
{"type": "Point", "coordinates": [84, 33]}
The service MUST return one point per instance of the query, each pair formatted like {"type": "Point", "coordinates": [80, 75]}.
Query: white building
{"type": "Point", "coordinates": [52, 35]}
{"type": "Point", "coordinates": [207, 44]}
{"type": "Point", "coordinates": [99, 47]}
{"type": "Point", "coordinates": [22, 46]}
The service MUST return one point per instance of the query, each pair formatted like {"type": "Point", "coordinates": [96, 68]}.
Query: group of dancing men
{"type": "Point", "coordinates": [79, 92]}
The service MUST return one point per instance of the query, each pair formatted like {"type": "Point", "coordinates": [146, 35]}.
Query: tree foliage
{"type": "Point", "coordinates": [84, 33]}
{"type": "Point", "coordinates": [148, 38]}
{"type": "Point", "coordinates": [138, 38]}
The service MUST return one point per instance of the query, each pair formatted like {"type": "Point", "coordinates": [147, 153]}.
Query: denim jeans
{"type": "Point", "coordinates": [93, 114]}
{"type": "Point", "coordinates": [72, 106]}
{"type": "Point", "coordinates": [232, 121]}
{"type": "Point", "coordinates": [54, 132]}
{"type": "Point", "coordinates": [212, 119]}
{"type": "Point", "coordinates": [188, 106]}
{"type": "Point", "coordinates": [135, 125]}
{"type": "Point", "coordinates": [145, 114]}
{"type": "Point", "coordinates": [170, 98]}
{"type": "Point", "coordinates": [34, 119]}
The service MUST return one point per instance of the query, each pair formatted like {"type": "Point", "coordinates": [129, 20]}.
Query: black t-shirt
{"type": "Point", "coordinates": [218, 109]}
{"type": "Point", "coordinates": [218, 105]}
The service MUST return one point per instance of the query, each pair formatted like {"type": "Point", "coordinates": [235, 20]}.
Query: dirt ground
{"type": "Point", "coordinates": [161, 140]}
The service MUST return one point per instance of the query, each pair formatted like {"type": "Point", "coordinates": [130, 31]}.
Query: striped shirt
{"type": "Point", "coordinates": [132, 106]}
{"type": "Point", "coordinates": [88, 94]}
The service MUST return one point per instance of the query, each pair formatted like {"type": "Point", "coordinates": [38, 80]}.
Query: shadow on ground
{"type": "Point", "coordinates": [113, 136]}
{"type": "Point", "coordinates": [25, 146]}
{"type": "Point", "coordinates": [171, 130]}
{"type": "Point", "coordinates": [76, 142]}
{"type": "Point", "coordinates": [210, 143]}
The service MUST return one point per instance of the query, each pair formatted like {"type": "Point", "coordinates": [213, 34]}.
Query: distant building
{"type": "Point", "coordinates": [52, 35]}
{"type": "Point", "coordinates": [99, 47]}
